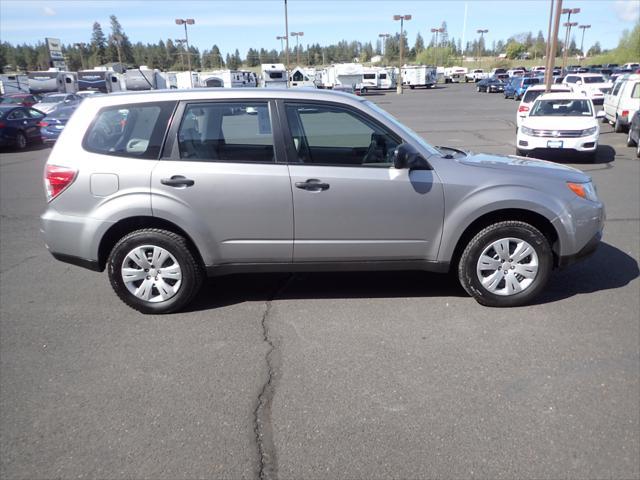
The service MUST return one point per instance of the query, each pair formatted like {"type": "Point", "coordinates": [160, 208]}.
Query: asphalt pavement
{"type": "Point", "coordinates": [331, 375]}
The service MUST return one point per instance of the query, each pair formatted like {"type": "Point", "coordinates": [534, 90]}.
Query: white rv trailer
{"type": "Point", "coordinates": [228, 79]}
{"type": "Point", "coordinates": [371, 78]}
{"type": "Point", "coordinates": [274, 75]}
{"type": "Point", "coordinates": [300, 78]}
{"type": "Point", "coordinates": [350, 74]}
{"type": "Point", "coordinates": [418, 76]}
{"type": "Point", "coordinates": [11, 83]}
{"type": "Point", "coordinates": [183, 79]}
{"type": "Point", "coordinates": [105, 81]}
{"type": "Point", "coordinates": [387, 78]}
{"type": "Point", "coordinates": [455, 74]}
{"type": "Point", "coordinates": [53, 81]}
{"type": "Point", "coordinates": [144, 78]}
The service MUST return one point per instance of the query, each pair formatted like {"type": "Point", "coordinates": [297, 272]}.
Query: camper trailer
{"type": "Point", "coordinates": [418, 76]}
{"type": "Point", "coordinates": [387, 78]}
{"type": "Point", "coordinates": [228, 79]}
{"type": "Point", "coordinates": [52, 81]}
{"type": "Point", "coordinates": [14, 84]}
{"type": "Point", "coordinates": [186, 80]}
{"type": "Point", "coordinates": [144, 78]}
{"type": "Point", "coordinates": [371, 78]}
{"type": "Point", "coordinates": [300, 78]}
{"type": "Point", "coordinates": [105, 81]}
{"type": "Point", "coordinates": [350, 74]}
{"type": "Point", "coordinates": [274, 75]}
{"type": "Point", "coordinates": [455, 74]}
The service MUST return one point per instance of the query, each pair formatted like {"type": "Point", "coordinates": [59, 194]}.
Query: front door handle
{"type": "Point", "coordinates": [313, 185]}
{"type": "Point", "coordinates": [177, 181]}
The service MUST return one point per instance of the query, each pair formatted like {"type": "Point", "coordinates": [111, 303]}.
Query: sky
{"type": "Point", "coordinates": [243, 24]}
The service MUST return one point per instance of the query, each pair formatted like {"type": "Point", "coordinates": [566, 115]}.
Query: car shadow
{"type": "Point", "coordinates": [594, 274]}
{"type": "Point", "coordinates": [604, 154]}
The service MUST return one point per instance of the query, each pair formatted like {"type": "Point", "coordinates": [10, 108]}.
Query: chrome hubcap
{"type": "Point", "coordinates": [507, 266]}
{"type": "Point", "coordinates": [151, 273]}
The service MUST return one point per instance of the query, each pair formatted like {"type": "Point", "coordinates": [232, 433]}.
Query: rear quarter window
{"type": "Point", "coordinates": [136, 130]}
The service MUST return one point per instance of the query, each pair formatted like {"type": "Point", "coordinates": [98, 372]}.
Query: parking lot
{"type": "Point", "coordinates": [332, 375]}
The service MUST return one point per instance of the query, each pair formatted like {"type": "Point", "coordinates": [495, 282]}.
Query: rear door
{"type": "Point", "coordinates": [220, 179]}
{"type": "Point", "coordinates": [611, 101]}
{"type": "Point", "coordinates": [350, 203]}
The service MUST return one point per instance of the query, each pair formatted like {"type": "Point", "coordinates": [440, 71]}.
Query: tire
{"type": "Point", "coordinates": [638, 149]}
{"type": "Point", "coordinates": [521, 153]}
{"type": "Point", "coordinates": [517, 289]}
{"type": "Point", "coordinates": [487, 90]}
{"type": "Point", "coordinates": [617, 126]}
{"type": "Point", "coordinates": [21, 141]}
{"type": "Point", "coordinates": [412, 87]}
{"type": "Point", "coordinates": [630, 141]}
{"type": "Point", "coordinates": [152, 241]}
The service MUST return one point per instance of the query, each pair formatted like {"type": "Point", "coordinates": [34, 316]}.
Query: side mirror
{"type": "Point", "coordinates": [600, 114]}
{"type": "Point", "coordinates": [406, 156]}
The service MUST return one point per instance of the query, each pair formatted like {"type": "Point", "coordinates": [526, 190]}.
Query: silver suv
{"type": "Point", "coordinates": [163, 188]}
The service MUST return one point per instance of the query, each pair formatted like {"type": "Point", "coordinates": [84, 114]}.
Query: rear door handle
{"type": "Point", "coordinates": [312, 185]}
{"type": "Point", "coordinates": [177, 181]}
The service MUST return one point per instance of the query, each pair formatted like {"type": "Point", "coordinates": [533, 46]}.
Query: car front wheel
{"type": "Point", "coordinates": [630, 141]}
{"type": "Point", "coordinates": [21, 141]}
{"type": "Point", "coordinates": [154, 271]}
{"type": "Point", "coordinates": [506, 264]}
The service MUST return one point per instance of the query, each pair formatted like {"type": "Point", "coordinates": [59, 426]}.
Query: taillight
{"type": "Point", "coordinates": [43, 124]}
{"type": "Point", "coordinates": [523, 108]}
{"type": "Point", "coordinates": [2, 125]}
{"type": "Point", "coordinates": [625, 113]}
{"type": "Point", "coordinates": [57, 179]}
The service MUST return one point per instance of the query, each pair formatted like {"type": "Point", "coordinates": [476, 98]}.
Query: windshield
{"type": "Point", "coordinates": [53, 99]}
{"type": "Point", "coordinates": [531, 95]}
{"type": "Point", "coordinates": [561, 108]}
{"type": "Point", "coordinates": [414, 136]}
{"type": "Point", "coordinates": [593, 80]}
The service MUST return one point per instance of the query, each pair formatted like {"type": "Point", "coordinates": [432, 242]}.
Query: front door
{"type": "Point", "coordinates": [222, 183]}
{"type": "Point", "coordinates": [350, 203]}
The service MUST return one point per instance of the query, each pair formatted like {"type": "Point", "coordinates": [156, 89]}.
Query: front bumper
{"type": "Point", "coordinates": [586, 251]}
{"type": "Point", "coordinates": [579, 144]}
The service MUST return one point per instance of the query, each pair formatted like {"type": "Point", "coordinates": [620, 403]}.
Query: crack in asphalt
{"type": "Point", "coordinates": [268, 466]}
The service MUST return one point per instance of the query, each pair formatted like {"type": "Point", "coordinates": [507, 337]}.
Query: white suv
{"type": "Point", "coordinates": [592, 85]}
{"type": "Point", "coordinates": [530, 96]}
{"type": "Point", "coordinates": [622, 102]}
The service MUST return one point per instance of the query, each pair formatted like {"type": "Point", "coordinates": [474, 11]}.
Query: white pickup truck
{"type": "Point", "coordinates": [476, 75]}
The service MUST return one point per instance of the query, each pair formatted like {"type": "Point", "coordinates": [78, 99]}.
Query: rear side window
{"type": "Point", "coordinates": [635, 93]}
{"type": "Point", "coordinates": [227, 132]}
{"type": "Point", "coordinates": [129, 130]}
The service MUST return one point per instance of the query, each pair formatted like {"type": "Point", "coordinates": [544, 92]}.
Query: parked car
{"type": "Point", "coordinates": [88, 93]}
{"type": "Point", "coordinates": [531, 95]}
{"type": "Point", "coordinates": [153, 187]}
{"type": "Point", "coordinates": [51, 100]}
{"type": "Point", "coordinates": [490, 85]}
{"type": "Point", "coordinates": [52, 125]}
{"type": "Point", "coordinates": [19, 126]}
{"type": "Point", "coordinates": [592, 85]}
{"type": "Point", "coordinates": [516, 88]}
{"type": "Point", "coordinates": [566, 121]}
{"type": "Point", "coordinates": [622, 102]}
{"type": "Point", "coordinates": [633, 137]}
{"type": "Point", "coordinates": [23, 99]}
{"type": "Point", "coordinates": [475, 75]}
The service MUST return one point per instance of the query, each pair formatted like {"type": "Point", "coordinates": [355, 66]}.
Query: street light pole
{"type": "Point", "coordinates": [554, 45]}
{"type": "Point", "coordinates": [297, 35]}
{"type": "Point", "coordinates": [481, 32]}
{"type": "Point", "coordinates": [567, 24]}
{"type": "Point", "coordinates": [181, 42]}
{"type": "Point", "coordinates": [584, 28]}
{"type": "Point", "coordinates": [436, 31]}
{"type": "Point", "coordinates": [384, 37]}
{"type": "Point", "coordinates": [185, 22]}
{"type": "Point", "coordinates": [286, 37]}
{"type": "Point", "coordinates": [402, 18]}
{"type": "Point", "coordinates": [547, 71]}
{"type": "Point", "coordinates": [282, 38]}
{"type": "Point", "coordinates": [80, 46]}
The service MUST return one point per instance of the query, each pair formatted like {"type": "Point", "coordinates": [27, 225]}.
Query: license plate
{"type": "Point", "coordinates": [554, 144]}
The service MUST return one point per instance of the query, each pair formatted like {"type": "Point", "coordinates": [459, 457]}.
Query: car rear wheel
{"type": "Point", "coordinates": [21, 141]}
{"type": "Point", "coordinates": [617, 126]}
{"type": "Point", "coordinates": [506, 264]}
{"type": "Point", "coordinates": [154, 271]}
{"type": "Point", "coordinates": [478, 89]}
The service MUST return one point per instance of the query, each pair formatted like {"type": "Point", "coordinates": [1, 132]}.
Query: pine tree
{"type": "Point", "coordinates": [98, 45]}
{"type": "Point", "coordinates": [419, 45]}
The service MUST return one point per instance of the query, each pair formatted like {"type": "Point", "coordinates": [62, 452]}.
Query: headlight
{"type": "Point", "coordinates": [526, 130]}
{"type": "Point", "coordinates": [585, 190]}
{"type": "Point", "coordinates": [589, 131]}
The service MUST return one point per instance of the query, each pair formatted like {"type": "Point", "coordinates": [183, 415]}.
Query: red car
{"type": "Point", "coordinates": [24, 99]}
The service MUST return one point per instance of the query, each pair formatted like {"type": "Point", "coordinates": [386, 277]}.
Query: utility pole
{"type": "Point", "coordinates": [554, 45]}
{"type": "Point", "coordinates": [185, 22]}
{"type": "Point", "coordinates": [384, 37]}
{"type": "Point", "coordinates": [584, 28]}
{"type": "Point", "coordinates": [402, 18]}
{"type": "Point", "coordinates": [437, 45]}
{"type": "Point", "coordinates": [282, 39]}
{"type": "Point", "coordinates": [297, 35]}
{"type": "Point", "coordinates": [181, 42]}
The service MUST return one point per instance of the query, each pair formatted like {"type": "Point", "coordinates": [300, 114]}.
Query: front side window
{"type": "Point", "coordinates": [328, 135]}
{"type": "Point", "coordinates": [571, 79]}
{"type": "Point", "coordinates": [226, 132]}
{"type": "Point", "coordinates": [17, 115]}
{"type": "Point", "coordinates": [129, 130]}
